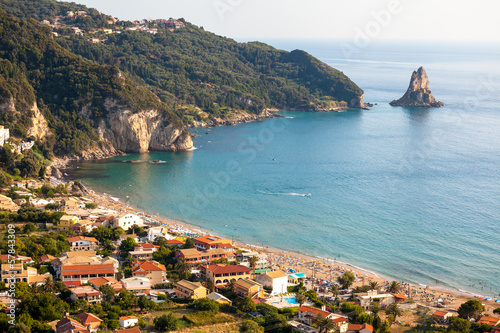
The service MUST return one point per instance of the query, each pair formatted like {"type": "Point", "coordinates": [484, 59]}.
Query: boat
{"type": "Point", "coordinates": [307, 195]}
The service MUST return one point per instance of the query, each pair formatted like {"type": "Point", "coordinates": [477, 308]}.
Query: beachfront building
{"type": "Point", "coordinates": [127, 220]}
{"type": "Point", "coordinates": [90, 321]}
{"type": "Point", "coordinates": [136, 284]}
{"type": "Point", "coordinates": [442, 316]}
{"type": "Point", "coordinates": [152, 270]}
{"type": "Point", "coordinates": [80, 243]}
{"type": "Point", "coordinates": [129, 321]}
{"type": "Point", "coordinates": [221, 275]}
{"type": "Point", "coordinates": [277, 280]}
{"type": "Point", "coordinates": [262, 264]}
{"type": "Point", "coordinates": [194, 256]}
{"type": "Point", "coordinates": [211, 242]}
{"type": "Point", "coordinates": [86, 293]}
{"type": "Point", "coordinates": [365, 301]}
{"type": "Point", "coordinates": [66, 223]}
{"type": "Point", "coordinates": [296, 278]}
{"type": "Point", "coordinates": [248, 288]}
{"type": "Point", "coordinates": [308, 315]}
{"type": "Point", "coordinates": [187, 289]}
{"type": "Point", "coordinates": [156, 232]}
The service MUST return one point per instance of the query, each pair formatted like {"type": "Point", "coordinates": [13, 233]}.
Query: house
{"type": "Point", "coordinates": [308, 315]}
{"type": "Point", "coordinates": [80, 243]}
{"type": "Point", "coordinates": [155, 272]}
{"type": "Point", "coordinates": [492, 321]}
{"type": "Point", "coordinates": [16, 273]}
{"type": "Point", "coordinates": [129, 321]}
{"type": "Point", "coordinates": [66, 223]}
{"type": "Point", "coordinates": [82, 226]}
{"type": "Point", "coordinates": [187, 289]}
{"type": "Point", "coordinates": [70, 203]}
{"type": "Point", "coordinates": [359, 328]}
{"type": "Point", "coordinates": [221, 275]}
{"type": "Point", "coordinates": [45, 259]}
{"type": "Point", "coordinates": [70, 325]}
{"type": "Point", "coordinates": [156, 232]}
{"type": "Point", "coordinates": [84, 273]}
{"type": "Point", "coordinates": [89, 320]}
{"type": "Point", "coordinates": [277, 280]}
{"type": "Point", "coordinates": [87, 293]}
{"type": "Point", "coordinates": [210, 242]}
{"type": "Point", "coordinates": [6, 203]}
{"type": "Point", "coordinates": [248, 288]}
{"type": "Point", "coordinates": [261, 264]}
{"type": "Point", "coordinates": [219, 298]}
{"type": "Point", "coordinates": [194, 256]}
{"type": "Point", "coordinates": [175, 242]}
{"type": "Point", "coordinates": [151, 294]}
{"type": "Point", "coordinates": [399, 298]}
{"type": "Point", "coordinates": [136, 284]}
{"type": "Point", "coordinates": [97, 282]}
{"type": "Point", "coordinates": [442, 316]}
{"type": "Point", "coordinates": [144, 251]}
{"type": "Point", "coordinates": [365, 301]}
{"type": "Point", "coordinates": [127, 220]}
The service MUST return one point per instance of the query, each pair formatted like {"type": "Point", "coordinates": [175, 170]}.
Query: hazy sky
{"type": "Point", "coordinates": [386, 19]}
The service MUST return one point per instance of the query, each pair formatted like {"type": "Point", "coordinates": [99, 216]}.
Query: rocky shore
{"type": "Point", "coordinates": [418, 93]}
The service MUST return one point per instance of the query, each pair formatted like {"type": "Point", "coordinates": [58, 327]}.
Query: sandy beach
{"type": "Point", "coordinates": [322, 269]}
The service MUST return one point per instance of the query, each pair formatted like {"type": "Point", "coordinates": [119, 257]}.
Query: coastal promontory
{"type": "Point", "coordinates": [418, 93]}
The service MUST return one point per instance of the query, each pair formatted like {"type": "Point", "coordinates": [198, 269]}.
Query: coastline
{"type": "Point", "coordinates": [321, 267]}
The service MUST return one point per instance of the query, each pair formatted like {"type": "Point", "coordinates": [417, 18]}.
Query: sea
{"type": "Point", "coordinates": [412, 194]}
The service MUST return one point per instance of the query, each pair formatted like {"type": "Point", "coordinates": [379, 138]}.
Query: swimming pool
{"type": "Point", "coordinates": [291, 300]}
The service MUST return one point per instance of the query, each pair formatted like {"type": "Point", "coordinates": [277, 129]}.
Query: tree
{"type": "Point", "coordinates": [247, 305]}
{"type": "Point", "coordinates": [108, 293]}
{"type": "Point", "coordinates": [165, 323]}
{"type": "Point", "coordinates": [113, 324]}
{"type": "Point", "coordinates": [300, 298]}
{"type": "Point", "coordinates": [373, 285]}
{"type": "Point", "coordinates": [183, 268]}
{"type": "Point", "coordinates": [189, 243]}
{"type": "Point", "coordinates": [29, 228]}
{"type": "Point", "coordinates": [325, 325]}
{"type": "Point", "coordinates": [459, 324]}
{"type": "Point", "coordinates": [206, 304]}
{"type": "Point", "coordinates": [4, 180]}
{"type": "Point", "coordinates": [394, 310]}
{"type": "Point", "coordinates": [253, 263]}
{"type": "Point", "coordinates": [497, 311]}
{"type": "Point", "coordinates": [470, 309]}
{"type": "Point", "coordinates": [126, 246]}
{"type": "Point", "coordinates": [334, 289]}
{"type": "Point", "coordinates": [29, 166]}
{"type": "Point", "coordinates": [394, 287]}
{"type": "Point", "coordinates": [346, 280]}
{"type": "Point", "coordinates": [78, 306]}
{"type": "Point", "coordinates": [19, 328]}
{"type": "Point", "coordinates": [250, 326]}
{"type": "Point", "coordinates": [375, 308]}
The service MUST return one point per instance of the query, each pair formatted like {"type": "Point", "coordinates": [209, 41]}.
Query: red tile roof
{"type": "Point", "coordinates": [492, 321]}
{"type": "Point", "coordinates": [72, 284]}
{"type": "Point", "coordinates": [70, 325]}
{"type": "Point", "coordinates": [87, 269]}
{"type": "Point", "coordinates": [87, 318]}
{"type": "Point", "coordinates": [175, 242]}
{"type": "Point", "coordinates": [129, 330]}
{"type": "Point", "coordinates": [225, 269]}
{"type": "Point", "coordinates": [438, 313]}
{"type": "Point", "coordinates": [82, 238]}
{"type": "Point", "coordinates": [359, 327]}
{"type": "Point", "coordinates": [147, 266]}
{"type": "Point", "coordinates": [323, 314]}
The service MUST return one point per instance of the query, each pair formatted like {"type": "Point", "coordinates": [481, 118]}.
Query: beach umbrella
{"type": "Point", "coordinates": [497, 300]}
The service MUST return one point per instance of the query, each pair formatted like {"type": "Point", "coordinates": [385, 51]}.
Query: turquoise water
{"type": "Point", "coordinates": [291, 300]}
{"type": "Point", "coordinates": [410, 193]}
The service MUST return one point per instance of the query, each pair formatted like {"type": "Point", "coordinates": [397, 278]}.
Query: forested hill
{"type": "Point", "coordinates": [193, 70]}
{"type": "Point", "coordinates": [34, 68]}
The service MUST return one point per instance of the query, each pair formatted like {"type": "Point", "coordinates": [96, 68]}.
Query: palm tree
{"type": "Point", "coordinates": [373, 285]}
{"type": "Point", "coordinates": [300, 298]}
{"type": "Point", "coordinates": [334, 289]}
{"type": "Point", "coordinates": [394, 310]}
{"type": "Point", "coordinates": [182, 268]}
{"type": "Point", "coordinates": [49, 285]}
{"type": "Point", "coordinates": [394, 287]}
{"type": "Point", "coordinates": [325, 324]}
{"type": "Point", "coordinates": [253, 263]}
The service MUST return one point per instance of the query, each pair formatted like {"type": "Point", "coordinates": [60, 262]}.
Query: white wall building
{"type": "Point", "coordinates": [129, 321]}
{"type": "Point", "coordinates": [136, 283]}
{"type": "Point", "coordinates": [277, 280]}
{"type": "Point", "coordinates": [127, 220]}
{"type": "Point", "coordinates": [4, 135]}
{"type": "Point", "coordinates": [155, 232]}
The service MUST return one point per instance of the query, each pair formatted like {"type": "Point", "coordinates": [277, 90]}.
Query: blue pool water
{"type": "Point", "coordinates": [410, 193]}
{"type": "Point", "coordinates": [291, 300]}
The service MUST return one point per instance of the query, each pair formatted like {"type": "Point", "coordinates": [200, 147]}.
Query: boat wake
{"type": "Point", "coordinates": [289, 193]}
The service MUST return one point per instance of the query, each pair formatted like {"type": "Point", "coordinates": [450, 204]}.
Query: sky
{"type": "Point", "coordinates": [334, 19]}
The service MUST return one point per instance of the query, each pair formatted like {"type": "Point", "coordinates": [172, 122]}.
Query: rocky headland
{"type": "Point", "coordinates": [418, 93]}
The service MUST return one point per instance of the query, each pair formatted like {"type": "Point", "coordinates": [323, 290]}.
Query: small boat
{"type": "Point", "coordinates": [307, 195]}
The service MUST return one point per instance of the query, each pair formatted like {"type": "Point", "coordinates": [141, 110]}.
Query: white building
{"type": "Point", "coordinates": [136, 283]}
{"type": "Point", "coordinates": [127, 220]}
{"type": "Point", "coordinates": [129, 321]}
{"type": "Point", "coordinates": [155, 232]}
{"type": "Point", "coordinates": [277, 280]}
{"type": "Point", "coordinates": [4, 135]}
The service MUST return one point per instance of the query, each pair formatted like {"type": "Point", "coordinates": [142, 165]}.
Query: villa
{"type": "Point", "coordinates": [221, 275]}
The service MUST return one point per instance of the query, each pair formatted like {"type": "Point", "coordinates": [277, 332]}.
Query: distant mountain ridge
{"type": "Point", "coordinates": [197, 77]}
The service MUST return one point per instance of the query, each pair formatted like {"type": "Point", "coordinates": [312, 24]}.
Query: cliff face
{"type": "Point", "coordinates": [38, 127]}
{"type": "Point", "coordinates": [140, 132]}
{"type": "Point", "coordinates": [418, 93]}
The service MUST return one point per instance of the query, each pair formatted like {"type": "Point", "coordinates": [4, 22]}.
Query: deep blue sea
{"type": "Point", "coordinates": [413, 194]}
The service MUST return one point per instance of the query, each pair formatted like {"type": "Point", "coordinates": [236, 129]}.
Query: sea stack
{"type": "Point", "coordinates": [418, 93]}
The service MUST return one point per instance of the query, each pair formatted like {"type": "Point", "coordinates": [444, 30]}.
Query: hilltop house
{"type": "Point", "coordinates": [79, 243]}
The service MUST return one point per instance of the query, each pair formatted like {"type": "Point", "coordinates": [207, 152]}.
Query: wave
{"type": "Point", "coordinates": [289, 193]}
{"type": "Point", "coordinates": [193, 148]}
